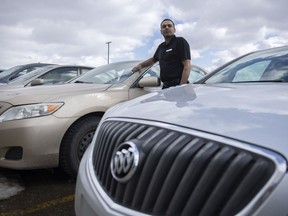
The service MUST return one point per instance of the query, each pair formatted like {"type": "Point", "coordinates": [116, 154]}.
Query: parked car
{"type": "Point", "coordinates": [17, 71]}
{"type": "Point", "coordinates": [218, 148]}
{"type": "Point", "coordinates": [55, 124]}
{"type": "Point", "coordinates": [48, 75]}
{"type": "Point", "coordinates": [249, 68]}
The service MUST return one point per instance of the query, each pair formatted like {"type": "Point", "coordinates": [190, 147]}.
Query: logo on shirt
{"type": "Point", "coordinates": [169, 50]}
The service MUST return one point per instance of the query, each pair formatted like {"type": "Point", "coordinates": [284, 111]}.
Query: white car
{"type": "Point", "coordinates": [200, 149]}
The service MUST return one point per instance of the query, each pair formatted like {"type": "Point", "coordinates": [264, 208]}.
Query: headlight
{"type": "Point", "coordinates": [30, 111]}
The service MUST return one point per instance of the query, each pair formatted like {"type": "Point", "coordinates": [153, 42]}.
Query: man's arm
{"type": "Point", "coordinates": [186, 71]}
{"type": "Point", "coordinates": [145, 63]}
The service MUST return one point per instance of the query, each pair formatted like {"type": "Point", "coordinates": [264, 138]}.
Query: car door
{"type": "Point", "coordinates": [153, 72]}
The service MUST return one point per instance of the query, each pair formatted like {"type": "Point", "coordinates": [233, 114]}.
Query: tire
{"type": "Point", "coordinates": [75, 142]}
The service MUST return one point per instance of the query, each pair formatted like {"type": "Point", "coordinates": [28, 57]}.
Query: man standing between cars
{"type": "Point", "coordinates": [173, 55]}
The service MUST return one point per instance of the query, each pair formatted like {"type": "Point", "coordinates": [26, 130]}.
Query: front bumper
{"type": "Point", "coordinates": [39, 138]}
{"type": "Point", "coordinates": [90, 199]}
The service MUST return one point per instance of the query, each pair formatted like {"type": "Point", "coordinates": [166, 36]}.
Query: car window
{"type": "Point", "coordinates": [265, 67]}
{"type": "Point", "coordinates": [84, 70]}
{"type": "Point", "coordinates": [195, 74]}
{"type": "Point", "coordinates": [22, 72]}
{"type": "Point", "coordinates": [27, 70]}
{"type": "Point", "coordinates": [153, 71]}
{"type": "Point", "coordinates": [107, 74]}
{"type": "Point", "coordinates": [30, 75]}
{"type": "Point", "coordinates": [59, 75]}
{"type": "Point", "coordinates": [252, 72]}
{"type": "Point", "coordinates": [9, 71]}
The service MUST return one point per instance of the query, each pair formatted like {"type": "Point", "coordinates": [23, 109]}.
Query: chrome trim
{"type": "Point", "coordinates": [106, 202]}
{"type": "Point", "coordinates": [124, 161]}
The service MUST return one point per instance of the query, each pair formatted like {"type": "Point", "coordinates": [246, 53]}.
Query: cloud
{"type": "Point", "coordinates": [76, 32]}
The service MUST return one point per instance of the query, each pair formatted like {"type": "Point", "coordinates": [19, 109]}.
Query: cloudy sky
{"type": "Point", "coordinates": [77, 31]}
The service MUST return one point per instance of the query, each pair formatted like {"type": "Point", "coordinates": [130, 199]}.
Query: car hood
{"type": "Point", "coordinates": [253, 113]}
{"type": "Point", "coordinates": [37, 94]}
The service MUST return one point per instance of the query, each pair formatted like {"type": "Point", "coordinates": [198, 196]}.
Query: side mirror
{"type": "Point", "coordinates": [36, 82]}
{"type": "Point", "coordinates": [149, 82]}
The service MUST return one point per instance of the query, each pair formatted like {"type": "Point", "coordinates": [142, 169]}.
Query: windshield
{"type": "Point", "coordinates": [9, 71]}
{"type": "Point", "coordinates": [108, 74]}
{"type": "Point", "coordinates": [264, 66]}
{"type": "Point", "coordinates": [30, 75]}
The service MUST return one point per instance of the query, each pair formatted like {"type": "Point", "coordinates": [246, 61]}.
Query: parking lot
{"type": "Point", "coordinates": [40, 192]}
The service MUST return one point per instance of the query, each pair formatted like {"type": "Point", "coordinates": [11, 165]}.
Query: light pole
{"type": "Point", "coordinates": [108, 43]}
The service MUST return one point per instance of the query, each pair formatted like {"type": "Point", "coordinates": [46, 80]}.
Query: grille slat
{"type": "Point", "coordinates": [110, 142]}
{"type": "Point", "coordinates": [102, 152]}
{"type": "Point", "coordinates": [132, 187]}
{"type": "Point", "coordinates": [228, 183]}
{"type": "Point", "coordinates": [149, 168]}
{"type": "Point", "coordinates": [117, 136]}
{"type": "Point", "coordinates": [97, 154]}
{"type": "Point", "coordinates": [254, 179]}
{"type": "Point", "coordinates": [191, 178]}
{"type": "Point", "coordinates": [207, 183]}
{"type": "Point", "coordinates": [175, 174]}
{"type": "Point", "coordinates": [162, 170]}
{"type": "Point", "coordinates": [180, 173]}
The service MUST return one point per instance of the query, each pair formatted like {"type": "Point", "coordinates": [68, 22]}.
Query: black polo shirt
{"type": "Point", "coordinates": [170, 58]}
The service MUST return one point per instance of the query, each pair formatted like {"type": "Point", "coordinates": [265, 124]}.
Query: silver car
{"type": "Point", "coordinates": [218, 148]}
{"type": "Point", "coordinates": [48, 75]}
{"type": "Point", "coordinates": [51, 126]}
{"type": "Point", "coordinates": [12, 73]}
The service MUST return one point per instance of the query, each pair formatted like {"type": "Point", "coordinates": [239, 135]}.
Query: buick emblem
{"type": "Point", "coordinates": [124, 161]}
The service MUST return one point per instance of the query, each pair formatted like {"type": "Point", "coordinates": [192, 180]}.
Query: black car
{"type": "Point", "coordinates": [14, 72]}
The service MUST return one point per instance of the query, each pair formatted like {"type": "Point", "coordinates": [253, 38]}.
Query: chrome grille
{"type": "Point", "coordinates": [180, 173]}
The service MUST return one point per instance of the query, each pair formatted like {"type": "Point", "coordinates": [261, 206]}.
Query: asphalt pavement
{"type": "Point", "coordinates": [41, 193]}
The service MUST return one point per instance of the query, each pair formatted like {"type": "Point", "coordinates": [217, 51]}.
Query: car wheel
{"type": "Point", "coordinates": [75, 142]}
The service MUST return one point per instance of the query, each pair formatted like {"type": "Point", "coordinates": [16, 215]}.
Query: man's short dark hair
{"type": "Point", "coordinates": [167, 20]}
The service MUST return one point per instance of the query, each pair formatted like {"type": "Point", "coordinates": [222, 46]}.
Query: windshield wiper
{"type": "Point", "coordinates": [78, 81]}
{"type": "Point", "coordinates": [276, 80]}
